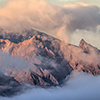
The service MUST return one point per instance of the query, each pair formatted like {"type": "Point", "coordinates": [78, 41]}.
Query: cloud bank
{"type": "Point", "coordinates": [18, 15]}
{"type": "Point", "coordinates": [11, 64]}
{"type": "Point", "coordinates": [80, 19]}
{"type": "Point", "coordinates": [91, 37]}
{"type": "Point", "coordinates": [81, 86]}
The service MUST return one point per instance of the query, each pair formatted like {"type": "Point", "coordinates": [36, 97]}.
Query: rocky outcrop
{"type": "Point", "coordinates": [42, 52]}
{"type": "Point", "coordinates": [49, 60]}
{"type": "Point", "coordinates": [8, 85]}
{"type": "Point", "coordinates": [84, 58]}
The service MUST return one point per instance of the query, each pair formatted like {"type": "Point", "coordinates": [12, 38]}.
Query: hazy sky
{"type": "Point", "coordinates": [2, 2]}
{"type": "Point", "coordinates": [61, 2]}
{"type": "Point", "coordinates": [81, 22]}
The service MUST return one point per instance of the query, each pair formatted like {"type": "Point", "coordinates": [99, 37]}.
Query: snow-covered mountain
{"type": "Point", "coordinates": [39, 59]}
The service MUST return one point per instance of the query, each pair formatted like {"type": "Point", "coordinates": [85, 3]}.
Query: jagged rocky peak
{"type": "Point", "coordinates": [83, 58]}
{"type": "Point", "coordinates": [43, 53]}
{"type": "Point", "coordinates": [50, 60]}
{"type": "Point", "coordinates": [87, 48]}
{"type": "Point", "coordinates": [44, 60]}
{"type": "Point", "coordinates": [24, 35]}
{"type": "Point", "coordinates": [82, 43]}
{"type": "Point", "coordinates": [84, 46]}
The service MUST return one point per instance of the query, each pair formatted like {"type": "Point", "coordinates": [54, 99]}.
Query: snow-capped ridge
{"type": "Point", "coordinates": [50, 59]}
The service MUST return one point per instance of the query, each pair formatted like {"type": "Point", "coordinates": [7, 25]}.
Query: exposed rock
{"type": "Point", "coordinates": [50, 59]}
{"type": "Point", "coordinates": [8, 85]}
{"type": "Point", "coordinates": [87, 48]}
{"type": "Point", "coordinates": [48, 66]}
{"type": "Point", "coordinates": [84, 58]}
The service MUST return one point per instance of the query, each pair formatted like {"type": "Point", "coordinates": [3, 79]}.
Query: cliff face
{"type": "Point", "coordinates": [47, 65]}
{"type": "Point", "coordinates": [49, 59]}
{"type": "Point", "coordinates": [84, 58]}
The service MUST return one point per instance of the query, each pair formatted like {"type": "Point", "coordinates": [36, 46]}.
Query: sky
{"type": "Point", "coordinates": [61, 2]}
{"type": "Point", "coordinates": [79, 19]}
{"type": "Point", "coordinates": [2, 2]}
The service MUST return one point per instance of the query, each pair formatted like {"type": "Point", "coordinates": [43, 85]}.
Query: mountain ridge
{"type": "Point", "coordinates": [46, 61]}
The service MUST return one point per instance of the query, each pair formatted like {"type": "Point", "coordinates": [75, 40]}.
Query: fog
{"type": "Point", "coordinates": [80, 86]}
{"type": "Point", "coordinates": [69, 23]}
{"type": "Point", "coordinates": [92, 37]}
{"type": "Point", "coordinates": [8, 61]}
{"type": "Point", "coordinates": [55, 20]}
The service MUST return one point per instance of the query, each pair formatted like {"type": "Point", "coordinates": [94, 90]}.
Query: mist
{"type": "Point", "coordinates": [91, 37]}
{"type": "Point", "coordinates": [69, 23]}
{"type": "Point", "coordinates": [13, 66]}
{"type": "Point", "coordinates": [80, 86]}
{"type": "Point", "coordinates": [55, 20]}
{"type": "Point", "coordinates": [9, 61]}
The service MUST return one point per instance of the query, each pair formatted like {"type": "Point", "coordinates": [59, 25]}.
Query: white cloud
{"type": "Point", "coordinates": [48, 18]}
{"type": "Point", "coordinates": [92, 37]}
{"type": "Point", "coordinates": [58, 21]}
{"type": "Point", "coordinates": [81, 86]}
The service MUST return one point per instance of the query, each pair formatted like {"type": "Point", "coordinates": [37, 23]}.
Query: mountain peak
{"type": "Point", "coordinates": [84, 46]}
{"type": "Point", "coordinates": [50, 61]}
{"type": "Point", "coordinates": [88, 48]}
{"type": "Point", "coordinates": [82, 43]}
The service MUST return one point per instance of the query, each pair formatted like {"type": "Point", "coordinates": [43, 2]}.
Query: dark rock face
{"type": "Point", "coordinates": [8, 85]}
{"type": "Point", "coordinates": [50, 60]}
{"type": "Point", "coordinates": [49, 67]}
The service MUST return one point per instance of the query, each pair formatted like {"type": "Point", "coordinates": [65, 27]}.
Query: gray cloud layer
{"type": "Point", "coordinates": [23, 14]}
{"type": "Point", "coordinates": [81, 86]}
{"type": "Point", "coordinates": [8, 62]}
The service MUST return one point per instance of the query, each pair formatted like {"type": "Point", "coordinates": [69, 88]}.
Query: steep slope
{"type": "Point", "coordinates": [49, 59]}
{"type": "Point", "coordinates": [42, 52]}
{"type": "Point", "coordinates": [84, 58]}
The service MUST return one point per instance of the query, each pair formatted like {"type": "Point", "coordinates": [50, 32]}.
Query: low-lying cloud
{"type": "Point", "coordinates": [79, 19]}
{"type": "Point", "coordinates": [8, 61]}
{"type": "Point", "coordinates": [81, 86]}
